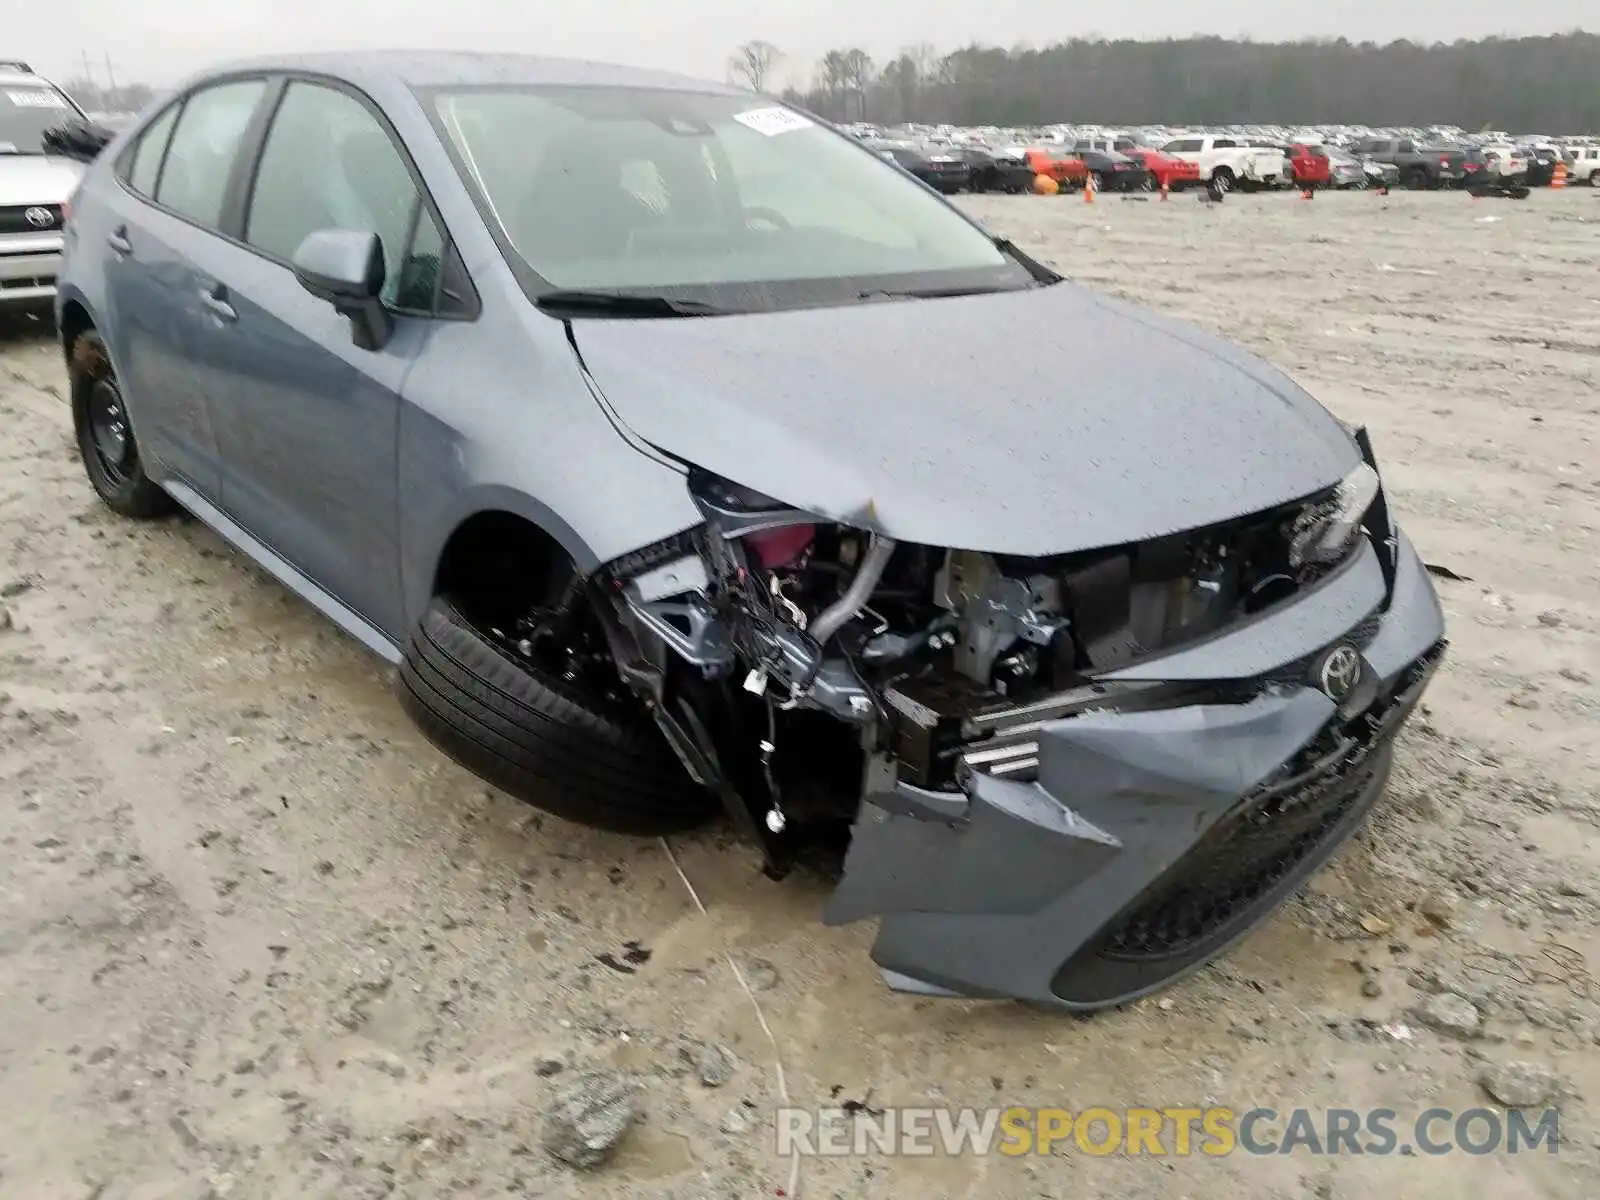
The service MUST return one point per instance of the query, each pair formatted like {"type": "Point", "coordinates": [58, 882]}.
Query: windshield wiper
{"type": "Point", "coordinates": [929, 293]}
{"type": "Point", "coordinates": [623, 304]}
{"type": "Point", "coordinates": [1040, 272]}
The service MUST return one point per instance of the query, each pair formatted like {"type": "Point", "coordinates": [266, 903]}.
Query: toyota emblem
{"type": "Point", "coordinates": [1339, 673]}
{"type": "Point", "coordinates": [39, 217]}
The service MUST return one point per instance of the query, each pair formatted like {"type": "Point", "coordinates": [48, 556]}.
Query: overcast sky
{"type": "Point", "coordinates": [159, 41]}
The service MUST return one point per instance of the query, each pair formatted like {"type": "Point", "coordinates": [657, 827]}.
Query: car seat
{"type": "Point", "coordinates": [576, 208]}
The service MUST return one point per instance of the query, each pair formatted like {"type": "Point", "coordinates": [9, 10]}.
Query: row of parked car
{"type": "Point", "coordinates": [1534, 166]}
{"type": "Point", "coordinates": [1222, 162]}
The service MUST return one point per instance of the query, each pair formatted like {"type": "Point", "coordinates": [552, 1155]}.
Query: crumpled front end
{"type": "Point", "coordinates": [1070, 778]}
{"type": "Point", "coordinates": [1123, 846]}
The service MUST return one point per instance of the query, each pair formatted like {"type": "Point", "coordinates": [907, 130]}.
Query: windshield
{"type": "Point", "coordinates": [26, 112]}
{"type": "Point", "coordinates": [720, 198]}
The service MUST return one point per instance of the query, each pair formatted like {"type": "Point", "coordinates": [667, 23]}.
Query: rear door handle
{"type": "Point", "coordinates": [217, 306]}
{"type": "Point", "coordinates": [117, 239]}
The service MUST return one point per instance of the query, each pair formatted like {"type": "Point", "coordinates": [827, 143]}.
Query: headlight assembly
{"type": "Point", "coordinates": [1324, 531]}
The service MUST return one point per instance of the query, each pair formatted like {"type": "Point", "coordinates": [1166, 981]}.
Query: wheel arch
{"type": "Point", "coordinates": [492, 522]}
{"type": "Point", "coordinates": [73, 319]}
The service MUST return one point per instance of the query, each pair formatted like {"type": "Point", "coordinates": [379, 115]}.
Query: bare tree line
{"type": "Point", "coordinates": [1544, 84]}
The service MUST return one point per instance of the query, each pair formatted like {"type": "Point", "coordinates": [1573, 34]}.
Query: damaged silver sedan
{"type": "Point", "coordinates": [630, 417]}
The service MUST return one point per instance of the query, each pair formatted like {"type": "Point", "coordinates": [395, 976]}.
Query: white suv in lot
{"type": "Point", "coordinates": [1583, 164]}
{"type": "Point", "coordinates": [34, 186]}
{"type": "Point", "coordinates": [1230, 162]}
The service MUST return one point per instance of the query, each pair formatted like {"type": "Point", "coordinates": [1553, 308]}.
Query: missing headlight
{"type": "Point", "coordinates": [724, 494]}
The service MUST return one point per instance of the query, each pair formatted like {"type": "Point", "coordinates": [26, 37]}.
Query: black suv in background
{"type": "Point", "coordinates": [1419, 166]}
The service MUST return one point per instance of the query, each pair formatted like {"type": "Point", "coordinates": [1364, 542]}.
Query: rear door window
{"type": "Point", "coordinates": [145, 166]}
{"type": "Point", "coordinates": [194, 178]}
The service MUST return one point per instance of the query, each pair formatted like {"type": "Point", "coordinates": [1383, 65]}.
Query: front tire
{"type": "Point", "coordinates": [541, 738]}
{"type": "Point", "coordinates": [106, 444]}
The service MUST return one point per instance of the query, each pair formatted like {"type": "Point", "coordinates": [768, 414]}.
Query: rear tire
{"type": "Point", "coordinates": [540, 738]}
{"type": "Point", "coordinates": [104, 435]}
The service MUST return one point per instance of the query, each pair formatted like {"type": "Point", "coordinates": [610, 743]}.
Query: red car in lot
{"type": "Point", "coordinates": [1309, 166]}
{"type": "Point", "coordinates": [1174, 174]}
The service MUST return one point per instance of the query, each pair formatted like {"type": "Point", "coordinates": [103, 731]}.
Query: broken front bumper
{"type": "Point", "coordinates": [1149, 840]}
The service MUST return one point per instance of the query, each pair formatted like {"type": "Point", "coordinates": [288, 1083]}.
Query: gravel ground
{"type": "Point", "coordinates": [258, 940]}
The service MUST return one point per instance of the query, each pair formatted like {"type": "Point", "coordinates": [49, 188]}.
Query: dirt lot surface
{"type": "Point", "coordinates": [257, 939]}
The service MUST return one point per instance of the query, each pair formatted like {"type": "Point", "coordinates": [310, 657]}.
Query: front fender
{"type": "Point", "coordinates": [443, 522]}
{"type": "Point", "coordinates": [497, 417]}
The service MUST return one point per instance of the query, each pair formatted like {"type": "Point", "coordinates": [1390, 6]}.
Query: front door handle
{"type": "Point", "coordinates": [117, 239]}
{"type": "Point", "coordinates": [217, 306]}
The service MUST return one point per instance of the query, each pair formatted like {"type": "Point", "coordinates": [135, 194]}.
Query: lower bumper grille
{"type": "Point", "coordinates": [1219, 881]}
{"type": "Point", "coordinates": [1217, 885]}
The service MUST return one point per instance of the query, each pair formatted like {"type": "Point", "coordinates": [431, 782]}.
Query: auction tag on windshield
{"type": "Point", "coordinates": [36, 100]}
{"type": "Point", "coordinates": [773, 121]}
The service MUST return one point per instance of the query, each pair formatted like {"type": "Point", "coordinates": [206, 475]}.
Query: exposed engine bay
{"type": "Point", "coordinates": [793, 662]}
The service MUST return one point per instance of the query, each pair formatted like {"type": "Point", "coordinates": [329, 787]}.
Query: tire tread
{"type": "Point", "coordinates": [539, 739]}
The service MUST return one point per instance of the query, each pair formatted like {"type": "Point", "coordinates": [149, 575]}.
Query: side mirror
{"type": "Point", "coordinates": [346, 269]}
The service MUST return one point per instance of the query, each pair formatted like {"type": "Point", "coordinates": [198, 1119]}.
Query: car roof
{"type": "Point", "coordinates": [25, 79]}
{"type": "Point", "coordinates": [434, 68]}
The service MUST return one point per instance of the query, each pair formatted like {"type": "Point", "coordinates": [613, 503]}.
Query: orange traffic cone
{"type": "Point", "coordinates": [1166, 181]}
{"type": "Point", "coordinates": [1088, 189]}
{"type": "Point", "coordinates": [1558, 178]}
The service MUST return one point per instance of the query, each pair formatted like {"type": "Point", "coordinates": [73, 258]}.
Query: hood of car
{"type": "Point", "coordinates": [27, 179]}
{"type": "Point", "coordinates": [1103, 425]}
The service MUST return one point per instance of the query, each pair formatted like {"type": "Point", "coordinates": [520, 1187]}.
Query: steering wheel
{"type": "Point", "coordinates": [770, 215]}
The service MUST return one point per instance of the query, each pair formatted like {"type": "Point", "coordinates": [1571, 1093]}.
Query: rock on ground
{"type": "Point", "coordinates": [1450, 1014]}
{"type": "Point", "coordinates": [1519, 1084]}
{"type": "Point", "coordinates": [715, 1064]}
{"type": "Point", "coordinates": [589, 1119]}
